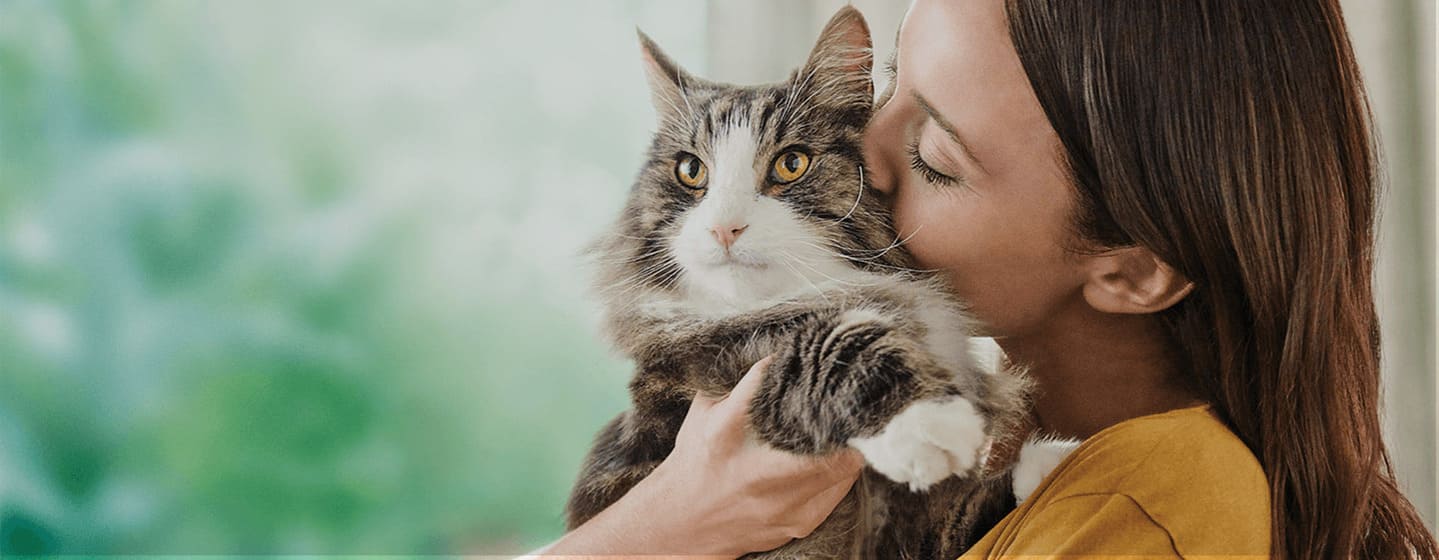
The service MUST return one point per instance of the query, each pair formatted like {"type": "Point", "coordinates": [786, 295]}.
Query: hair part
{"type": "Point", "coordinates": [1233, 140]}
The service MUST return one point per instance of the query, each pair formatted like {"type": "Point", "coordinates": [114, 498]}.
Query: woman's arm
{"type": "Point", "coordinates": [719, 493]}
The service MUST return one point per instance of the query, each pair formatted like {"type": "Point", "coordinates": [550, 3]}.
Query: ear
{"type": "Point", "coordinates": [1133, 280]}
{"type": "Point", "coordinates": [839, 66]}
{"type": "Point", "coordinates": [667, 80]}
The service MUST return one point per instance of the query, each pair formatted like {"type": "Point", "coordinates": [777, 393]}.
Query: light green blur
{"type": "Point", "coordinates": [304, 277]}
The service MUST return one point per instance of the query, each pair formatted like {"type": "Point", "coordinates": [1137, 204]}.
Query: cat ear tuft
{"type": "Point", "coordinates": [667, 80]}
{"type": "Point", "coordinates": [843, 55]}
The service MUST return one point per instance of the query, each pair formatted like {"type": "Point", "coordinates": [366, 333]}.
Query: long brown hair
{"type": "Point", "coordinates": [1232, 138]}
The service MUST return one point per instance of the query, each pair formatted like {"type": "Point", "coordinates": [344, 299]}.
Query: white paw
{"type": "Point", "coordinates": [927, 442]}
{"type": "Point", "coordinates": [1037, 459]}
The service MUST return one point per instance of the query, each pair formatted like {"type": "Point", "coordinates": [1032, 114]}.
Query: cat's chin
{"type": "Point", "coordinates": [732, 265]}
{"type": "Point", "coordinates": [740, 286]}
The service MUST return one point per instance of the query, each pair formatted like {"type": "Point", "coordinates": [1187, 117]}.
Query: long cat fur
{"type": "Point", "coordinates": [867, 350]}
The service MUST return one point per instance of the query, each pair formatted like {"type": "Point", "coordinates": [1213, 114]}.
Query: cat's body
{"type": "Point", "coordinates": [751, 232]}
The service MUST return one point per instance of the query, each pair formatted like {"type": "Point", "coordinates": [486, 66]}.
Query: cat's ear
{"type": "Point", "coordinates": [839, 66]}
{"type": "Point", "coordinates": [667, 80]}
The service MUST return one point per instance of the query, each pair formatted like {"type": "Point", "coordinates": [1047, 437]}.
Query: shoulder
{"type": "Point", "coordinates": [1179, 483]}
{"type": "Point", "coordinates": [1188, 452]}
{"type": "Point", "coordinates": [1186, 470]}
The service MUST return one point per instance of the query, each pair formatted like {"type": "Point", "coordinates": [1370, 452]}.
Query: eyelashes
{"type": "Point", "coordinates": [930, 174]}
{"type": "Point", "coordinates": [916, 162]}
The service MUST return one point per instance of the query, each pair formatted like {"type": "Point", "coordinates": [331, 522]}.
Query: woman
{"type": "Point", "coordinates": [1165, 211]}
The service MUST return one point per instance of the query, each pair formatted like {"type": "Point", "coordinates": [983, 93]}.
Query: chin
{"type": "Point", "coordinates": [739, 285]}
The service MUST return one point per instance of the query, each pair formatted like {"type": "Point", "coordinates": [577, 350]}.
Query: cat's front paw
{"type": "Point", "coordinates": [926, 442]}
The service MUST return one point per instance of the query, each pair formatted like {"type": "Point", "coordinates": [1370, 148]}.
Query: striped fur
{"type": "Point", "coordinates": [868, 351]}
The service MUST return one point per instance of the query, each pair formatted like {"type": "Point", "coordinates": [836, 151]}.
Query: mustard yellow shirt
{"type": "Point", "coordinates": [1178, 484]}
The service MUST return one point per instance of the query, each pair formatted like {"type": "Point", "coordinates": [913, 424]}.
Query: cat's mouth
{"type": "Point", "coordinates": [732, 261]}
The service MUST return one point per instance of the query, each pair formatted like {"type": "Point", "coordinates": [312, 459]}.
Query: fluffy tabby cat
{"type": "Point", "coordinates": [752, 231]}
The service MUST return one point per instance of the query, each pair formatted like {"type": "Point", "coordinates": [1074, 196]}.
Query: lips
{"type": "Point", "coordinates": [731, 261]}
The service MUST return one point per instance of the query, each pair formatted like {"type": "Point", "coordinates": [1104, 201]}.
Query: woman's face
{"type": "Point", "coordinates": [971, 167]}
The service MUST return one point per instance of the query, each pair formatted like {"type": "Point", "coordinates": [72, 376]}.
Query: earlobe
{"type": "Point", "coordinates": [1134, 281]}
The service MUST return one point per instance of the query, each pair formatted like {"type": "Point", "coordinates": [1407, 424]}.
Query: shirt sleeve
{"type": "Point", "coordinates": [1090, 525]}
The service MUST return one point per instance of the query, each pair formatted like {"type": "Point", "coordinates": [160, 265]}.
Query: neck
{"type": "Point", "coordinates": [1095, 369]}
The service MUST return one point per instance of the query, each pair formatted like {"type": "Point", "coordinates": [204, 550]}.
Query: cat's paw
{"type": "Point", "coordinates": [927, 442]}
{"type": "Point", "coordinates": [1037, 459]}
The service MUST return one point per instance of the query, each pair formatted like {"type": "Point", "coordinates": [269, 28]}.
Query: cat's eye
{"type": "Point", "coordinates": [790, 166]}
{"type": "Point", "coordinates": [690, 171]}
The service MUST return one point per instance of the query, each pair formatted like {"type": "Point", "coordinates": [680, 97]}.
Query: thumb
{"type": "Point", "coordinates": [748, 385]}
{"type": "Point", "coordinates": [702, 402]}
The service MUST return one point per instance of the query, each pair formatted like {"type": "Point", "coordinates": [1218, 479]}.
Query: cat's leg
{"type": "Point", "coordinates": [856, 379]}
{"type": "Point", "coordinates": [676, 358]}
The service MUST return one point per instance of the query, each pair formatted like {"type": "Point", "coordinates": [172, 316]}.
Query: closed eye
{"type": "Point", "coordinates": [930, 174]}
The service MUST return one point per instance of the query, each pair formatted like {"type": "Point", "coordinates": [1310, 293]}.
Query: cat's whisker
{"type": "Point", "coordinates": [655, 266]}
{"type": "Point", "coordinates": [630, 259]}
{"type": "Point", "coordinates": [832, 251]}
{"type": "Point", "coordinates": [685, 96]}
{"type": "Point", "coordinates": [624, 259]}
{"type": "Point", "coordinates": [794, 90]}
{"type": "Point", "coordinates": [804, 85]}
{"type": "Point", "coordinates": [640, 291]}
{"type": "Point", "coordinates": [641, 278]}
{"type": "Point", "coordinates": [675, 110]}
{"type": "Point", "coordinates": [896, 243]}
{"type": "Point", "coordinates": [806, 279]}
{"type": "Point", "coordinates": [872, 261]}
{"type": "Point", "coordinates": [648, 237]}
{"type": "Point", "coordinates": [810, 93]}
{"type": "Point", "coordinates": [856, 198]}
{"type": "Point", "coordinates": [655, 272]}
{"type": "Point", "coordinates": [812, 268]}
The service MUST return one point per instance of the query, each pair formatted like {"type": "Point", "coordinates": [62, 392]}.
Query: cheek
{"type": "Point", "coordinates": [1002, 257]}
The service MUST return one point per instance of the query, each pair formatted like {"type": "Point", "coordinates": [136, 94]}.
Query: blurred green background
{"type": "Point", "coordinates": [304, 277]}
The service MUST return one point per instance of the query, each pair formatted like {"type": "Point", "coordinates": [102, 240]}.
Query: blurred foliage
{"type": "Point", "coordinates": [304, 277]}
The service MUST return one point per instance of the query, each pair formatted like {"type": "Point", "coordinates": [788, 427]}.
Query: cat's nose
{"type": "Point", "coordinates": [726, 235]}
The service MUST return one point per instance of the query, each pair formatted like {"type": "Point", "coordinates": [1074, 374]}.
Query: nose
{"type": "Point", "coordinates": [883, 144]}
{"type": "Point", "coordinates": [726, 235]}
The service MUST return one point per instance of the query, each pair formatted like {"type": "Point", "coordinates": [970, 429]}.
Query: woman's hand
{"type": "Point", "coordinates": [719, 493]}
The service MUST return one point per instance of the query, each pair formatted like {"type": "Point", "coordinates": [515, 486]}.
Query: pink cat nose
{"type": "Point", "coordinates": [726, 235]}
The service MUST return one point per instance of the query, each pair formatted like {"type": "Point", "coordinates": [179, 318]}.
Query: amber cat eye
{"type": "Point", "coordinates": [790, 166]}
{"type": "Point", "coordinates": [690, 171]}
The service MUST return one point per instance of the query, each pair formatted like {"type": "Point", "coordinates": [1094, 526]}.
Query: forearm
{"type": "Point", "coordinates": [600, 540]}
{"type": "Point", "coordinates": [717, 495]}
{"type": "Point", "coordinates": [638, 525]}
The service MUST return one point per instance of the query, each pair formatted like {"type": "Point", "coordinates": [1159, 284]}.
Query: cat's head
{"type": "Point", "coordinates": [756, 192]}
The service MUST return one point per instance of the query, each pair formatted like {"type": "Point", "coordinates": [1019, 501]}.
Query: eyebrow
{"type": "Point", "coordinates": [948, 129]}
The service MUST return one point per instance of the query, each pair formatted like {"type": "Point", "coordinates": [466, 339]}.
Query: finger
{"type": "Point", "coordinates": [702, 402]}
{"type": "Point", "coordinates": [748, 385]}
{"type": "Point", "coordinates": [822, 505]}
{"type": "Point", "coordinates": [833, 494]}
{"type": "Point", "coordinates": [820, 471]}
{"type": "Point", "coordinates": [847, 462]}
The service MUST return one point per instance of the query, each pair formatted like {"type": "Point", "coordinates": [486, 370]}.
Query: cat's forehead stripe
{"type": "Point", "coordinates": [734, 154]}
